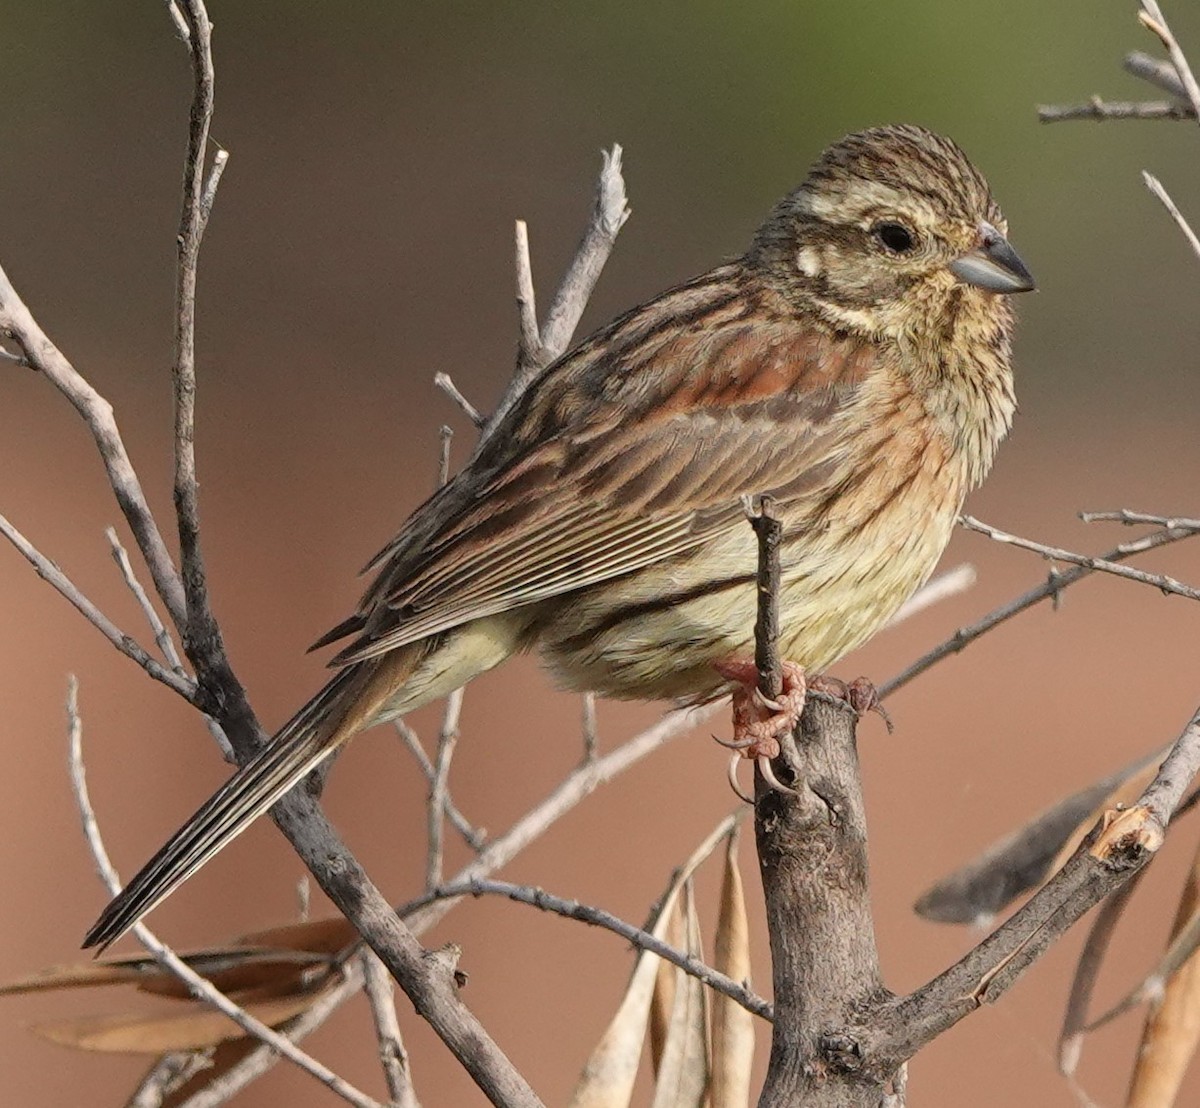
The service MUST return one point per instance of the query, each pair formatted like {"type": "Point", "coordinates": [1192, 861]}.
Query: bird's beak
{"type": "Point", "coordinates": [993, 265]}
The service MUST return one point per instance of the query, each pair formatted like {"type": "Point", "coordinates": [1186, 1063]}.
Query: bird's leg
{"type": "Point", "coordinates": [859, 694]}
{"type": "Point", "coordinates": [759, 720]}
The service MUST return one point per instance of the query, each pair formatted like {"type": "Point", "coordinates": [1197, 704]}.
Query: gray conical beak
{"type": "Point", "coordinates": [993, 265]}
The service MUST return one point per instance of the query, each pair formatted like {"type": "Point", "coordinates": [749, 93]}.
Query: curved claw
{"type": "Point", "coordinates": [768, 772]}
{"type": "Point", "coordinates": [733, 744]}
{"type": "Point", "coordinates": [734, 762]}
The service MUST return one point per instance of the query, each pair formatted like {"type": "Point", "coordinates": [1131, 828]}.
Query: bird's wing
{"type": "Point", "coordinates": [634, 447]}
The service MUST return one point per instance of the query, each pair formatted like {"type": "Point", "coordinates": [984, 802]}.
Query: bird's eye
{"type": "Point", "coordinates": [895, 236]}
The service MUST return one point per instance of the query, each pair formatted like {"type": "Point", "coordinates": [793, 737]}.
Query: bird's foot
{"type": "Point", "coordinates": [858, 694]}
{"type": "Point", "coordinates": [759, 720]}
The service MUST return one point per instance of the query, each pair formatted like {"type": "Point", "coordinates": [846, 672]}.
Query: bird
{"type": "Point", "coordinates": [853, 365]}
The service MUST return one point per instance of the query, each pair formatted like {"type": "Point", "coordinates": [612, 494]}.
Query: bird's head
{"type": "Point", "coordinates": [894, 233]}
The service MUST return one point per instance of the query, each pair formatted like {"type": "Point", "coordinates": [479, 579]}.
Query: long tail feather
{"type": "Point", "coordinates": [302, 744]}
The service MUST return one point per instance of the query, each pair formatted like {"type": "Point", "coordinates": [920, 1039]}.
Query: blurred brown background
{"type": "Point", "coordinates": [361, 242]}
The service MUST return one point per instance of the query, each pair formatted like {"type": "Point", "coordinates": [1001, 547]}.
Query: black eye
{"type": "Point", "coordinates": [895, 236]}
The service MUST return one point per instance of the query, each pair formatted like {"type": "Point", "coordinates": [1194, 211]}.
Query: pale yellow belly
{"type": "Point", "coordinates": [657, 633]}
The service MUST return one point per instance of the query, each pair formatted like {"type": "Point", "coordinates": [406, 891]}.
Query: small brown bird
{"type": "Point", "coordinates": [853, 365]}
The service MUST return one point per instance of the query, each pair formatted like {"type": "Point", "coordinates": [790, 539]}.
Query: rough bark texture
{"type": "Point", "coordinates": [812, 850]}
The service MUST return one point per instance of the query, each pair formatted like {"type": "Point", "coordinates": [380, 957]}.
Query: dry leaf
{"type": "Point", "coordinates": [1022, 860]}
{"type": "Point", "coordinates": [608, 1077]}
{"type": "Point", "coordinates": [1173, 1026]}
{"type": "Point", "coordinates": [161, 1034]}
{"type": "Point", "coordinates": [732, 1025]}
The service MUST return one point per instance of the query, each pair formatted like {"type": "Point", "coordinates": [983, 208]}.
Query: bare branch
{"type": "Point", "coordinates": [1156, 187]}
{"type": "Point", "coordinates": [591, 739]}
{"type": "Point", "coordinates": [169, 1073]}
{"type": "Point", "coordinates": [200, 988]}
{"type": "Point", "coordinates": [1137, 519]}
{"type": "Point", "coordinates": [162, 637]}
{"type": "Point", "coordinates": [445, 437]}
{"type": "Point", "coordinates": [529, 349]}
{"type": "Point", "coordinates": [202, 636]}
{"type": "Point", "coordinates": [1151, 17]}
{"type": "Point", "coordinates": [439, 793]}
{"type": "Point", "coordinates": [1155, 580]}
{"type": "Point", "coordinates": [379, 988]}
{"type": "Point", "coordinates": [475, 837]}
{"type": "Point", "coordinates": [66, 588]}
{"type": "Point", "coordinates": [1099, 109]}
{"type": "Point", "coordinates": [1050, 589]}
{"type": "Point", "coordinates": [1119, 846]}
{"type": "Point", "coordinates": [598, 917]}
{"type": "Point", "coordinates": [446, 383]}
{"type": "Point", "coordinates": [18, 324]}
{"type": "Point", "coordinates": [608, 216]}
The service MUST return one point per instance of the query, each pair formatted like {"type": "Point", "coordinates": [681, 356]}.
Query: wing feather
{"type": "Point", "coordinates": [632, 449]}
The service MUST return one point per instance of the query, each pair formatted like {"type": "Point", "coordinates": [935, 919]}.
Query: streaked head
{"type": "Point", "coordinates": [892, 229]}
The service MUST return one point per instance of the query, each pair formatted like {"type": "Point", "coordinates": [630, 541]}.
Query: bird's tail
{"type": "Point", "coordinates": [335, 714]}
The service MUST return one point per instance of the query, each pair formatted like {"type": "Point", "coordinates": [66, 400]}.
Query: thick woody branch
{"type": "Point", "coordinates": [812, 849]}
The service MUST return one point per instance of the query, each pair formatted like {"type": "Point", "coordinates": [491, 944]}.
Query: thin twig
{"type": "Point", "coordinates": [198, 986]}
{"type": "Point", "coordinates": [1137, 519]}
{"type": "Point", "coordinates": [475, 837]}
{"type": "Point", "coordinates": [126, 644]}
{"type": "Point", "coordinates": [1050, 589]}
{"type": "Point", "coordinates": [609, 214]}
{"type": "Point", "coordinates": [17, 323]}
{"type": "Point", "coordinates": [439, 793]}
{"type": "Point", "coordinates": [1096, 108]}
{"type": "Point", "coordinates": [169, 1073]}
{"type": "Point", "coordinates": [1151, 17]}
{"type": "Point", "coordinates": [598, 917]}
{"type": "Point", "coordinates": [380, 990]}
{"type": "Point", "coordinates": [446, 383]}
{"type": "Point", "coordinates": [202, 638]}
{"type": "Point", "coordinates": [445, 438]}
{"type": "Point", "coordinates": [591, 738]}
{"type": "Point", "coordinates": [608, 217]}
{"type": "Point", "coordinates": [1156, 187]}
{"type": "Point", "coordinates": [1056, 553]}
{"type": "Point", "coordinates": [162, 637]}
{"type": "Point", "coordinates": [529, 350]}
